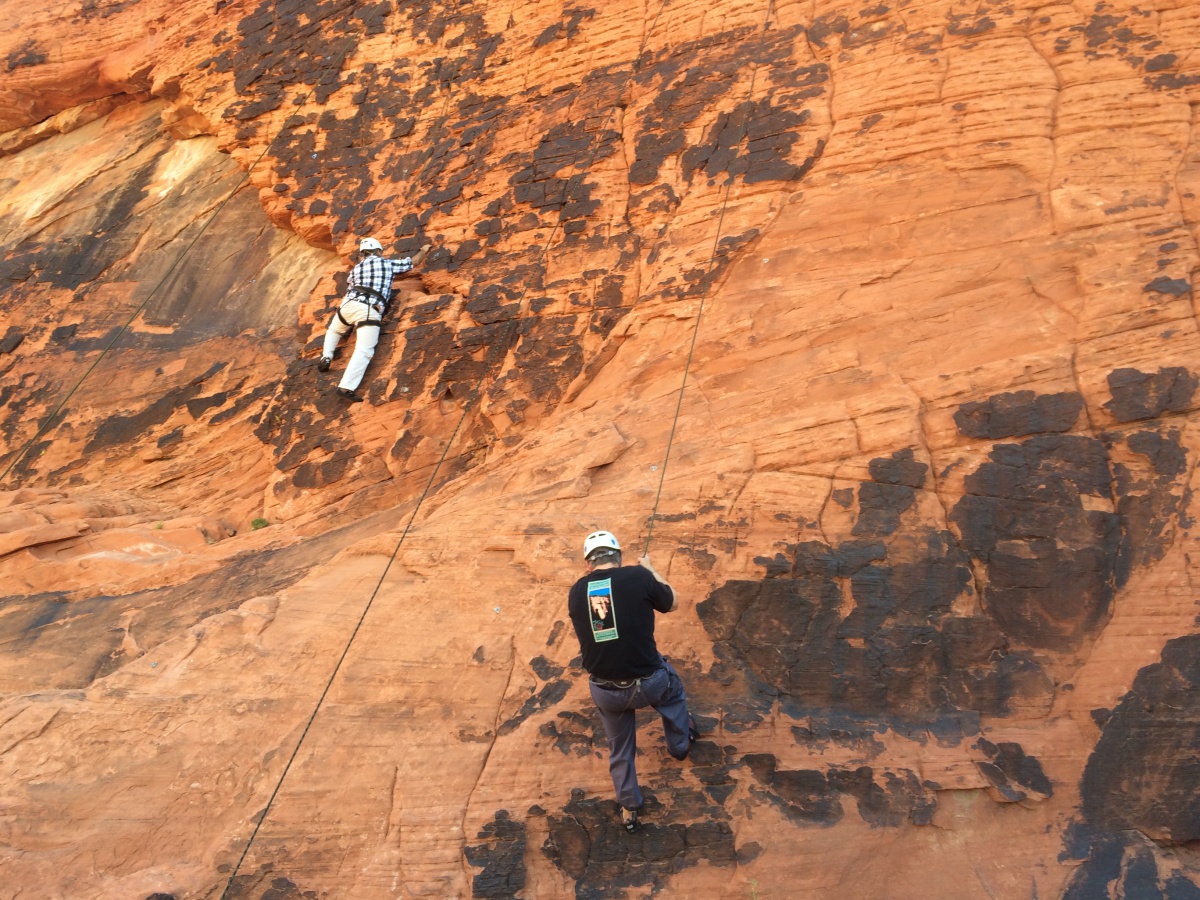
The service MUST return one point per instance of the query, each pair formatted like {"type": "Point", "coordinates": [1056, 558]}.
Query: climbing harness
{"type": "Point", "coordinates": [372, 323]}
{"type": "Point", "coordinates": [49, 421]}
{"type": "Point", "coordinates": [500, 345]}
{"type": "Point", "coordinates": [369, 296]}
{"type": "Point", "coordinates": [262, 817]}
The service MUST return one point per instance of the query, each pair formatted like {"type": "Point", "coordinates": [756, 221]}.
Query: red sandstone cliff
{"type": "Point", "coordinates": [930, 500]}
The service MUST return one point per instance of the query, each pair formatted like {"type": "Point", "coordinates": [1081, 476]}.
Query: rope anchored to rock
{"type": "Point", "coordinates": [499, 350]}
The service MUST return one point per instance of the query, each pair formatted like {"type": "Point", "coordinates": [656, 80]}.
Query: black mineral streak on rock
{"type": "Point", "coordinates": [1050, 559]}
{"type": "Point", "coordinates": [900, 653]}
{"type": "Point", "coordinates": [1108, 34]}
{"type": "Point", "coordinates": [811, 797]}
{"type": "Point", "coordinates": [1014, 774]}
{"type": "Point", "coordinates": [767, 134]}
{"type": "Point", "coordinates": [1166, 453]}
{"type": "Point", "coordinates": [123, 430]}
{"type": "Point", "coordinates": [970, 25]}
{"type": "Point", "coordinates": [524, 347]}
{"type": "Point", "coordinates": [171, 438]}
{"type": "Point", "coordinates": [868, 123]}
{"type": "Point", "coordinates": [573, 733]}
{"type": "Point", "coordinates": [1102, 869]}
{"type": "Point", "coordinates": [1140, 395]}
{"type": "Point", "coordinates": [1178, 887]}
{"type": "Point", "coordinates": [298, 425]}
{"type": "Point", "coordinates": [1126, 865]}
{"type": "Point", "coordinates": [891, 490]}
{"type": "Point", "coordinates": [1018, 414]}
{"type": "Point", "coordinates": [282, 44]}
{"type": "Point", "coordinates": [22, 419]}
{"type": "Point", "coordinates": [93, 647]}
{"type": "Point", "coordinates": [1035, 516]}
{"type": "Point", "coordinates": [566, 29]}
{"type": "Point", "coordinates": [547, 357]}
{"type": "Point", "coordinates": [544, 668]}
{"type": "Point", "coordinates": [12, 339]}
{"type": "Point", "coordinates": [426, 347]}
{"type": "Point", "coordinates": [735, 693]}
{"type": "Point", "coordinates": [1140, 776]}
{"type": "Point", "coordinates": [701, 558]}
{"type": "Point", "coordinates": [1140, 787]}
{"type": "Point", "coordinates": [819, 733]}
{"type": "Point", "coordinates": [1151, 498]}
{"type": "Point", "coordinates": [588, 843]}
{"type": "Point", "coordinates": [549, 695]}
{"type": "Point", "coordinates": [501, 856]}
{"type": "Point", "coordinates": [72, 260]}
{"type": "Point", "coordinates": [265, 885]}
{"type": "Point", "coordinates": [899, 799]}
{"type": "Point", "coordinates": [805, 796]}
{"type": "Point", "coordinates": [60, 335]}
{"type": "Point", "coordinates": [1175, 287]}
{"type": "Point", "coordinates": [748, 853]}
{"type": "Point", "coordinates": [1172, 81]}
{"type": "Point", "coordinates": [1107, 30]}
{"type": "Point", "coordinates": [28, 54]}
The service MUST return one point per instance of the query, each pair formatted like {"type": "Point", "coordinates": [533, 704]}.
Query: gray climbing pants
{"type": "Point", "coordinates": [664, 691]}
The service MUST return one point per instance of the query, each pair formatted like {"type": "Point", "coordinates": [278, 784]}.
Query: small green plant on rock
{"type": "Point", "coordinates": [258, 523]}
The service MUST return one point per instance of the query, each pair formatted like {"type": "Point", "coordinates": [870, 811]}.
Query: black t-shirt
{"type": "Point", "coordinates": [613, 614]}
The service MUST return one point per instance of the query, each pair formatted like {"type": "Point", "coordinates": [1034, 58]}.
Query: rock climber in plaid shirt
{"type": "Point", "coordinates": [368, 292]}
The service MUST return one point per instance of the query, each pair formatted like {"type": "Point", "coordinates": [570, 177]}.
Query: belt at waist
{"type": "Point", "coordinates": [616, 684]}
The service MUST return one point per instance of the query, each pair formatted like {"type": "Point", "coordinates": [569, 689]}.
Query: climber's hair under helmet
{"type": "Point", "coordinates": [600, 547]}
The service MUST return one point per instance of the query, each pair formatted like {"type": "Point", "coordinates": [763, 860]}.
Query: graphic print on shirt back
{"type": "Point", "coordinates": [603, 615]}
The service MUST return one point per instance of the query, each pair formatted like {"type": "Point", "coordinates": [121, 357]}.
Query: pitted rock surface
{"type": "Point", "coordinates": [924, 275]}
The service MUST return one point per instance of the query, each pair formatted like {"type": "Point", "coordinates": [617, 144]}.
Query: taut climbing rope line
{"type": "Point", "coordinates": [374, 593]}
{"type": "Point", "coordinates": [500, 345]}
{"type": "Point", "coordinates": [703, 297]}
{"type": "Point", "coordinates": [49, 421]}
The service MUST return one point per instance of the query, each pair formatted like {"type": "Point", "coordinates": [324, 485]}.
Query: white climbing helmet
{"type": "Point", "coordinates": [370, 244]}
{"type": "Point", "coordinates": [599, 540]}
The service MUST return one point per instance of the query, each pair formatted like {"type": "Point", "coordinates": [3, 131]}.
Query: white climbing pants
{"type": "Point", "coordinates": [366, 336]}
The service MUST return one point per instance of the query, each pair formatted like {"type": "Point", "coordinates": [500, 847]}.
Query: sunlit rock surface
{"type": "Point", "coordinates": [930, 495]}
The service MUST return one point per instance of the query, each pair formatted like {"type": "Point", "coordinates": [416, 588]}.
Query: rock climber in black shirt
{"type": "Point", "coordinates": [612, 609]}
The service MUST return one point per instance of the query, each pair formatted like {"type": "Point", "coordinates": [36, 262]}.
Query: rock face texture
{"type": "Point", "coordinates": [876, 324]}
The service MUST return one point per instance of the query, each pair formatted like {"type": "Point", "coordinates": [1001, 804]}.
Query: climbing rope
{"type": "Point", "coordinates": [342, 658]}
{"type": "Point", "coordinates": [712, 260]}
{"type": "Point", "coordinates": [499, 350]}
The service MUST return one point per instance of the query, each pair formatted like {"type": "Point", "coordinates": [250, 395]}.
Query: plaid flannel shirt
{"type": "Point", "coordinates": [377, 273]}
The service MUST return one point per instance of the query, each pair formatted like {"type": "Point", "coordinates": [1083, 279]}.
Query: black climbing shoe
{"type": "Point", "coordinates": [629, 818]}
{"type": "Point", "coordinates": [693, 736]}
{"type": "Point", "coordinates": [347, 394]}
{"type": "Point", "coordinates": [324, 363]}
